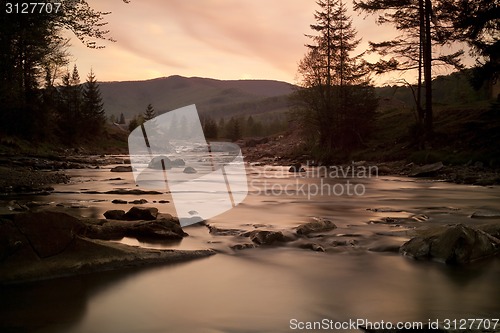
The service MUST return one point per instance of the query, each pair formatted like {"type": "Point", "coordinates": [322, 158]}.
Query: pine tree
{"type": "Point", "coordinates": [93, 113]}
{"type": "Point", "coordinates": [149, 113]}
{"type": "Point", "coordinates": [70, 106]}
{"type": "Point", "coordinates": [209, 127]}
{"type": "Point", "coordinates": [330, 78]}
{"type": "Point", "coordinates": [122, 119]}
{"type": "Point", "coordinates": [422, 29]}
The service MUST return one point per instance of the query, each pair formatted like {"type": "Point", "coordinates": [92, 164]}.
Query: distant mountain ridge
{"type": "Point", "coordinates": [220, 98]}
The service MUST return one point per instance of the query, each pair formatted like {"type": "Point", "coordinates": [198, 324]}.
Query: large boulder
{"type": "Point", "coordinates": [457, 244]}
{"type": "Point", "coordinates": [165, 228]}
{"type": "Point", "coordinates": [319, 225]}
{"type": "Point", "coordinates": [141, 213]}
{"type": "Point", "coordinates": [48, 232]}
{"type": "Point", "coordinates": [115, 214]}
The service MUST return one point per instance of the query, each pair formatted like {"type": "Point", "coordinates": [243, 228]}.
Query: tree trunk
{"type": "Point", "coordinates": [428, 71]}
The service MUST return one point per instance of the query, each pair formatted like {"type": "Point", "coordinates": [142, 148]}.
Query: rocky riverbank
{"type": "Point", "coordinates": [51, 244]}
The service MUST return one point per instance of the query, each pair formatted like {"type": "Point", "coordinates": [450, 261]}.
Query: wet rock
{"type": "Point", "coordinates": [115, 214]}
{"type": "Point", "coordinates": [160, 163]}
{"type": "Point", "coordinates": [486, 214]}
{"type": "Point", "coordinates": [458, 244]}
{"type": "Point", "coordinates": [162, 229]}
{"type": "Point", "coordinates": [189, 170]}
{"type": "Point", "coordinates": [224, 232]}
{"type": "Point", "coordinates": [265, 237]}
{"type": "Point", "coordinates": [312, 246]}
{"type": "Point", "coordinates": [296, 168]}
{"type": "Point", "coordinates": [122, 168]}
{"type": "Point", "coordinates": [242, 246]}
{"type": "Point", "coordinates": [138, 202]}
{"type": "Point", "coordinates": [119, 201]}
{"type": "Point", "coordinates": [141, 213]}
{"type": "Point", "coordinates": [179, 162]}
{"type": "Point", "coordinates": [48, 232]}
{"type": "Point", "coordinates": [316, 226]}
{"type": "Point", "coordinates": [132, 192]}
{"type": "Point", "coordinates": [426, 170]}
{"type": "Point", "coordinates": [17, 207]}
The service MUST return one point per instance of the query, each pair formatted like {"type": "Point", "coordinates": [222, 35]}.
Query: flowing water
{"type": "Point", "coordinates": [267, 289]}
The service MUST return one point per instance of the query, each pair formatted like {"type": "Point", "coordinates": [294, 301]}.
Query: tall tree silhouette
{"type": "Point", "coordinates": [330, 77]}
{"type": "Point", "coordinates": [422, 33]}
{"type": "Point", "coordinates": [93, 113]}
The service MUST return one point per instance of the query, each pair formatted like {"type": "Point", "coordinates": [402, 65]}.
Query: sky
{"type": "Point", "coordinates": [221, 39]}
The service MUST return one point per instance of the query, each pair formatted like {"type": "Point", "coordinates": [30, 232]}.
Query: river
{"type": "Point", "coordinates": [271, 289]}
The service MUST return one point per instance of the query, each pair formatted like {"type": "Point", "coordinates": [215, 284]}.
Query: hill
{"type": "Point", "coordinates": [220, 98]}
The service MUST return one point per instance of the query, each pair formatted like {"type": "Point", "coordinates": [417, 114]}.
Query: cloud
{"type": "Point", "coordinates": [224, 39]}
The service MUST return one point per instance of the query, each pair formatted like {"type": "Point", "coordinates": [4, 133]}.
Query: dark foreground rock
{"type": "Point", "coordinates": [458, 244]}
{"type": "Point", "coordinates": [141, 213]}
{"type": "Point", "coordinates": [51, 244]}
{"type": "Point", "coordinates": [167, 228]}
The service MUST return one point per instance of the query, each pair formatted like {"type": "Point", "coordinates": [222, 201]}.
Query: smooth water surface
{"type": "Point", "coordinates": [262, 289]}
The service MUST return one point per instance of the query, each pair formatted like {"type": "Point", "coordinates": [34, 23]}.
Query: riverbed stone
{"type": "Point", "coordinates": [115, 214]}
{"type": "Point", "coordinates": [457, 244]}
{"type": "Point", "coordinates": [119, 201]}
{"type": "Point", "coordinates": [297, 167]}
{"type": "Point", "coordinates": [48, 232]}
{"type": "Point", "coordinates": [266, 237]}
{"type": "Point", "coordinates": [122, 168]}
{"type": "Point", "coordinates": [178, 162]}
{"type": "Point", "coordinates": [160, 162]}
{"type": "Point", "coordinates": [138, 202]}
{"type": "Point", "coordinates": [162, 229]}
{"type": "Point", "coordinates": [319, 225]}
{"type": "Point", "coordinates": [141, 213]}
{"type": "Point", "coordinates": [189, 170]}
{"type": "Point", "coordinates": [426, 170]}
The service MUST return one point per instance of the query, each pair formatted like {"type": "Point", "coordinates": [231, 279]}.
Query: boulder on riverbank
{"type": "Point", "coordinates": [50, 244]}
{"type": "Point", "coordinates": [426, 170]}
{"type": "Point", "coordinates": [457, 244]}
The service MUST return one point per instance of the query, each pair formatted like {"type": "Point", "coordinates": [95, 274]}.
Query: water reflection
{"type": "Point", "coordinates": [260, 290]}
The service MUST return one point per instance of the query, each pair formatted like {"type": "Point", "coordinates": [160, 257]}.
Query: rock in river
{"type": "Point", "coordinates": [296, 168]}
{"type": "Point", "coordinates": [189, 170]}
{"type": "Point", "coordinates": [316, 226]}
{"type": "Point", "coordinates": [457, 244]}
{"type": "Point", "coordinates": [160, 163]}
{"type": "Point", "coordinates": [115, 214]}
{"type": "Point", "coordinates": [141, 213]}
{"type": "Point", "coordinates": [265, 237]}
{"type": "Point", "coordinates": [122, 168]}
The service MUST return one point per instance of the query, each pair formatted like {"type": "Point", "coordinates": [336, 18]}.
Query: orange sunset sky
{"type": "Point", "coordinates": [222, 39]}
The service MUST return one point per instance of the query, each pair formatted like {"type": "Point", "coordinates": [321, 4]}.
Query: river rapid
{"type": "Point", "coordinates": [271, 288]}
